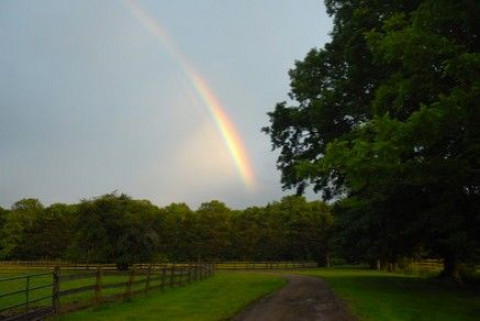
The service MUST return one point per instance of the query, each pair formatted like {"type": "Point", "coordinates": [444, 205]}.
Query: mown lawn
{"type": "Point", "coordinates": [217, 298]}
{"type": "Point", "coordinates": [383, 296]}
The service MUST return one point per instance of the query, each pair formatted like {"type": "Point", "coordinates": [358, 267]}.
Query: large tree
{"type": "Point", "coordinates": [21, 229]}
{"type": "Point", "coordinates": [115, 228]}
{"type": "Point", "coordinates": [387, 115]}
{"type": "Point", "coordinates": [213, 227]}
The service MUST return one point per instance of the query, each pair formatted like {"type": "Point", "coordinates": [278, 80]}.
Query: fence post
{"type": "Point", "coordinates": [164, 274]}
{"type": "Point", "coordinates": [98, 285]}
{"type": "Point", "coordinates": [27, 293]}
{"type": "Point", "coordinates": [128, 290]}
{"type": "Point", "coordinates": [56, 290]}
{"type": "Point", "coordinates": [147, 282]}
{"type": "Point", "coordinates": [189, 269]}
{"type": "Point", "coordinates": [172, 275]}
{"type": "Point", "coordinates": [183, 278]}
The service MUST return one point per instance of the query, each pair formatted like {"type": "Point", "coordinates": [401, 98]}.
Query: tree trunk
{"type": "Point", "coordinates": [450, 269]}
{"type": "Point", "coordinates": [375, 264]}
{"type": "Point", "coordinates": [323, 261]}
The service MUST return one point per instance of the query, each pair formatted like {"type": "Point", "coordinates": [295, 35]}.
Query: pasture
{"type": "Point", "coordinates": [385, 296]}
{"type": "Point", "coordinates": [370, 295]}
{"type": "Point", "coordinates": [64, 289]}
{"type": "Point", "coordinates": [218, 298]}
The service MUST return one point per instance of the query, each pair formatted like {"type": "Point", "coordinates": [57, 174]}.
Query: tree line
{"type": "Point", "coordinates": [116, 228]}
{"type": "Point", "coordinates": [384, 120]}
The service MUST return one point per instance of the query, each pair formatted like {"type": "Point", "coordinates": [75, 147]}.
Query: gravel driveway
{"type": "Point", "coordinates": [304, 298]}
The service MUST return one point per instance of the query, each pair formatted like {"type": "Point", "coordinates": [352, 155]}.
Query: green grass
{"type": "Point", "coordinates": [383, 296]}
{"type": "Point", "coordinates": [371, 295]}
{"type": "Point", "coordinates": [18, 284]}
{"type": "Point", "coordinates": [216, 298]}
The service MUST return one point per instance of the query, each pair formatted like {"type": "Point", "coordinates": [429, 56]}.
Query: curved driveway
{"type": "Point", "coordinates": [304, 298]}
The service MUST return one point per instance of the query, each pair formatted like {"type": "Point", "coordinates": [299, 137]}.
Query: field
{"type": "Point", "coordinates": [217, 298]}
{"type": "Point", "coordinates": [27, 289]}
{"type": "Point", "coordinates": [383, 296]}
{"type": "Point", "coordinates": [371, 295]}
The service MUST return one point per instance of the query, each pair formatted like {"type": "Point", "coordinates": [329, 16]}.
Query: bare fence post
{"type": "Point", "coordinates": [172, 276]}
{"type": "Point", "coordinates": [183, 275]}
{"type": "Point", "coordinates": [147, 282]}
{"type": "Point", "coordinates": [128, 290]}
{"type": "Point", "coordinates": [98, 285]}
{"type": "Point", "coordinates": [27, 293]}
{"type": "Point", "coordinates": [164, 274]}
{"type": "Point", "coordinates": [56, 290]}
{"type": "Point", "coordinates": [190, 276]}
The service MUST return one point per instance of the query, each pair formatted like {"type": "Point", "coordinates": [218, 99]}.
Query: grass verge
{"type": "Point", "coordinates": [383, 296]}
{"type": "Point", "coordinates": [217, 298]}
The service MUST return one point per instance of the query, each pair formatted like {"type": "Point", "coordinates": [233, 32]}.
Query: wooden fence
{"type": "Point", "coordinates": [267, 265]}
{"type": "Point", "coordinates": [68, 289]}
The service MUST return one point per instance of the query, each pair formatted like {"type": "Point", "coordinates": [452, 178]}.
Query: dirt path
{"type": "Point", "coordinates": [303, 298]}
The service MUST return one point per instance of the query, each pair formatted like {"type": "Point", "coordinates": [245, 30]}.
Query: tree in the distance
{"type": "Point", "coordinates": [21, 229]}
{"type": "Point", "coordinates": [114, 228]}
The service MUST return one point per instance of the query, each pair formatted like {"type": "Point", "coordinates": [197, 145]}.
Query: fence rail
{"type": "Point", "coordinates": [267, 265]}
{"type": "Point", "coordinates": [66, 289]}
{"type": "Point", "coordinates": [72, 285]}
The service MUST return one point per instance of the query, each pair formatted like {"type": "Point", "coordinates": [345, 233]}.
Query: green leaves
{"type": "Point", "coordinates": [388, 118]}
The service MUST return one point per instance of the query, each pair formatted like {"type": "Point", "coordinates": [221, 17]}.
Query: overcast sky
{"type": "Point", "coordinates": [93, 101]}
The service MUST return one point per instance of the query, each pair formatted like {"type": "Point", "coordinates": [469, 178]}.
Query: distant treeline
{"type": "Point", "coordinates": [117, 228]}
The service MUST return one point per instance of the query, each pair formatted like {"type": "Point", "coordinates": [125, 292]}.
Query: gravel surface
{"type": "Point", "coordinates": [303, 298]}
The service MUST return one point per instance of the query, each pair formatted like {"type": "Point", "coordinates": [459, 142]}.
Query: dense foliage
{"type": "Point", "coordinates": [117, 228]}
{"type": "Point", "coordinates": [385, 120]}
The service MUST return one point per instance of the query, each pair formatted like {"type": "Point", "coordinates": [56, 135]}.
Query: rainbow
{"type": "Point", "coordinates": [225, 126]}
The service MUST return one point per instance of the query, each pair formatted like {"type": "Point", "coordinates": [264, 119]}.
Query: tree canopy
{"type": "Point", "coordinates": [117, 229]}
{"type": "Point", "coordinates": [385, 117]}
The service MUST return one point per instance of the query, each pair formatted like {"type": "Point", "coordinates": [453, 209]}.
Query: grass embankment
{"type": "Point", "coordinates": [383, 296]}
{"type": "Point", "coordinates": [217, 298]}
